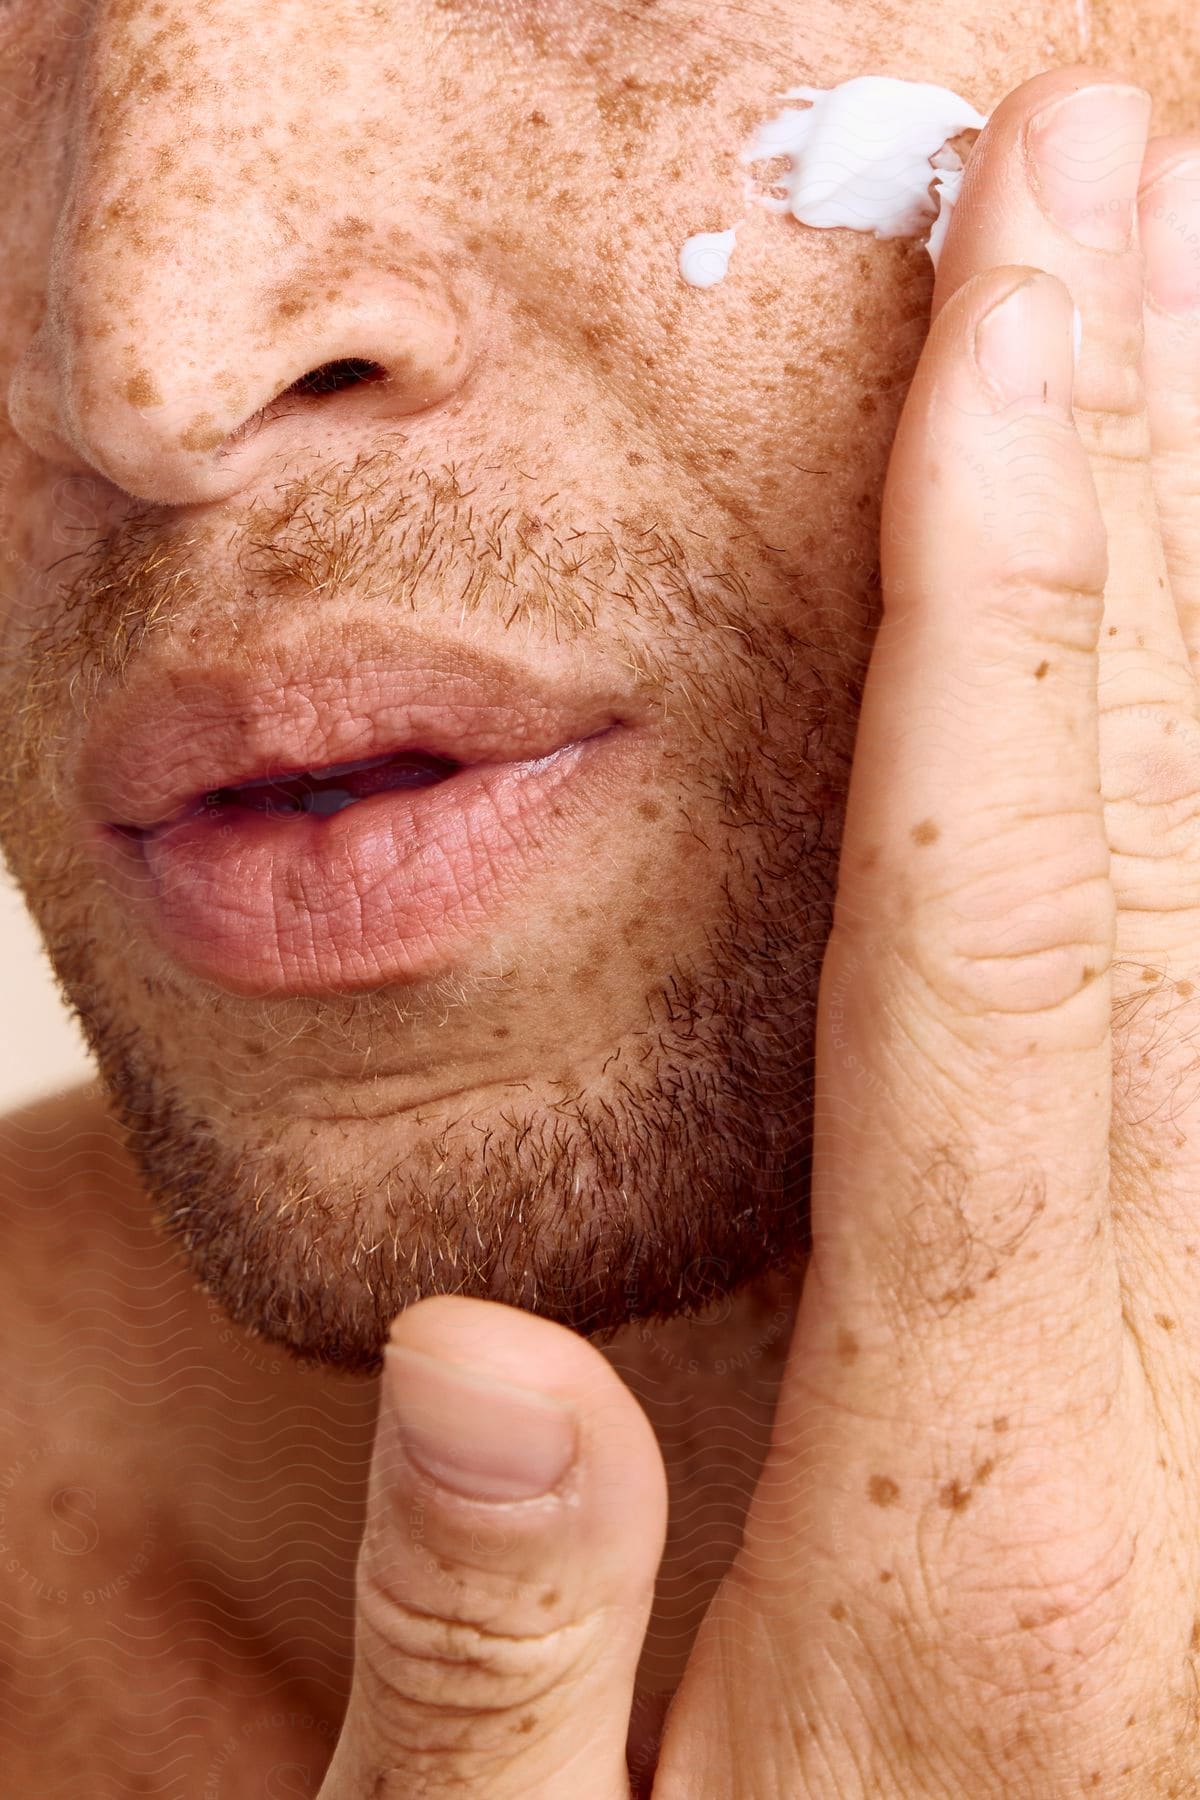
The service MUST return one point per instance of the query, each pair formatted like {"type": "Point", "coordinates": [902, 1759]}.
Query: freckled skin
{"type": "Point", "coordinates": [201, 204]}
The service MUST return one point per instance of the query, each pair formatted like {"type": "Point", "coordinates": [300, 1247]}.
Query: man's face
{"type": "Point", "coordinates": [353, 393]}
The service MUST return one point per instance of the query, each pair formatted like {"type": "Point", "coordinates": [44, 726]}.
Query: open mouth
{"type": "Point", "coordinates": [351, 811]}
{"type": "Point", "coordinates": [319, 793]}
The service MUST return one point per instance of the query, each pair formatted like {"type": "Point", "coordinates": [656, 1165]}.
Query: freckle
{"type": "Point", "coordinates": [1195, 1638]}
{"type": "Point", "coordinates": [1151, 975]}
{"type": "Point", "coordinates": [292, 305]}
{"type": "Point", "coordinates": [201, 436]}
{"type": "Point", "coordinates": [882, 1490]}
{"type": "Point", "coordinates": [1040, 672]}
{"type": "Point", "coordinates": [549, 1598]}
{"type": "Point", "coordinates": [847, 1346]}
{"type": "Point", "coordinates": [142, 390]}
{"type": "Point", "coordinates": [1089, 974]}
{"type": "Point", "coordinates": [870, 857]}
{"type": "Point", "coordinates": [926, 832]}
{"type": "Point", "coordinates": [983, 1471]}
{"type": "Point", "coordinates": [528, 1721]}
{"type": "Point", "coordinates": [1112, 631]}
{"type": "Point", "coordinates": [838, 1610]}
{"type": "Point", "coordinates": [1165, 1321]}
{"type": "Point", "coordinates": [954, 1496]}
{"type": "Point", "coordinates": [1131, 1721]}
{"type": "Point", "coordinates": [1000, 1424]}
{"type": "Point", "coordinates": [1169, 726]}
{"type": "Point", "coordinates": [634, 458]}
{"type": "Point", "coordinates": [885, 1574]}
{"type": "Point", "coordinates": [649, 809]}
{"type": "Point", "coordinates": [1186, 988]}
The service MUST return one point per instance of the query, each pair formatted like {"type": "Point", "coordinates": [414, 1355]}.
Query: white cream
{"type": "Point", "coordinates": [704, 259]}
{"type": "Point", "coordinates": [864, 157]}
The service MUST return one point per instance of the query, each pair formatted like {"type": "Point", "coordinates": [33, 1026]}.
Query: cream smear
{"type": "Point", "coordinates": [863, 157]}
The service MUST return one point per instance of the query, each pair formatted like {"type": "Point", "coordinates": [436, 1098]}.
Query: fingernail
{"type": "Point", "coordinates": [480, 1438]}
{"type": "Point", "coordinates": [1169, 224]}
{"type": "Point", "coordinates": [1025, 345]}
{"type": "Point", "coordinates": [1085, 154]}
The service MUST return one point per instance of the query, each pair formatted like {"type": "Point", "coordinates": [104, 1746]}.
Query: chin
{"type": "Point", "coordinates": [675, 1171]}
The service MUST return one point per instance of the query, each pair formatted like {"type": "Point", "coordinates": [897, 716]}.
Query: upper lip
{"type": "Point", "coordinates": [177, 731]}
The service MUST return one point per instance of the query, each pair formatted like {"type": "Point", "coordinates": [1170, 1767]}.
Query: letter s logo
{"type": "Point", "coordinates": [76, 1532]}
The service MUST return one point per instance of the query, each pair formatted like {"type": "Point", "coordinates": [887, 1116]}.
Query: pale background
{"type": "Point", "coordinates": [41, 1048]}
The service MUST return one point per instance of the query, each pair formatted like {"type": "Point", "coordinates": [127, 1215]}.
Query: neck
{"type": "Point", "coordinates": [708, 1385]}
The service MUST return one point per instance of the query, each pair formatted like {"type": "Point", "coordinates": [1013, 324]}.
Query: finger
{"type": "Point", "coordinates": [1054, 181]}
{"type": "Point", "coordinates": [1169, 226]}
{"type": "Point", "coordinates": [973, 931]}
{"type": "Point", "coordinates": [961, 1266]}
{"type": "Point", "coordinates": [516, 1516]}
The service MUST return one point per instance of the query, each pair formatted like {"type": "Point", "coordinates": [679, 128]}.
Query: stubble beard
{"type": "Point", "coordinates": [671, 1178]}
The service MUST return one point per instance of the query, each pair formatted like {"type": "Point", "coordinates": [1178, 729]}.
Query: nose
{"type": "Point", "coordinates": [196, 326]}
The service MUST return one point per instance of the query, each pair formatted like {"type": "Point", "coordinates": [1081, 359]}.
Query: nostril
{"type": "Point", "coordinates": [329, 378]}
{"type": "Point", "coordinates": [332, 377]}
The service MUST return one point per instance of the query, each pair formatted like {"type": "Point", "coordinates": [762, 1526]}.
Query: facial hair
{"type": "Point", "coordinates": [675, 1171]}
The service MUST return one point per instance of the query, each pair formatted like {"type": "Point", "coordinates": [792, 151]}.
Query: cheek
{"type": "Point", "coordinates": [23, 535]}
{"type": "Point", "coordinates": [45, 517]}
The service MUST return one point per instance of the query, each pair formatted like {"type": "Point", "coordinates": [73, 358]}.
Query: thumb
{"type": "Point", "coordinates": [515, 1519]}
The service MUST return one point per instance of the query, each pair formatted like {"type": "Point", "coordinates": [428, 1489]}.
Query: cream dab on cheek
{"type": "Point", "coordinates": [871, 155]}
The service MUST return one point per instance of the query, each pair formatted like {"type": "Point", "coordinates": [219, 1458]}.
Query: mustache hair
{"type": "Point", "coordinates": [470, 544]}
{"type": "Point", "coordinates": [382, 529]}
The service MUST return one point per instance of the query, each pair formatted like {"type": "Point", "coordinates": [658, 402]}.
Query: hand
{"type": "Point", "coordinates": [973, 1564]}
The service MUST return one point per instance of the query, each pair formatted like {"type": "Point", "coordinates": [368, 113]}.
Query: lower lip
{"type": "Point", "coordinates": [388, 890]}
